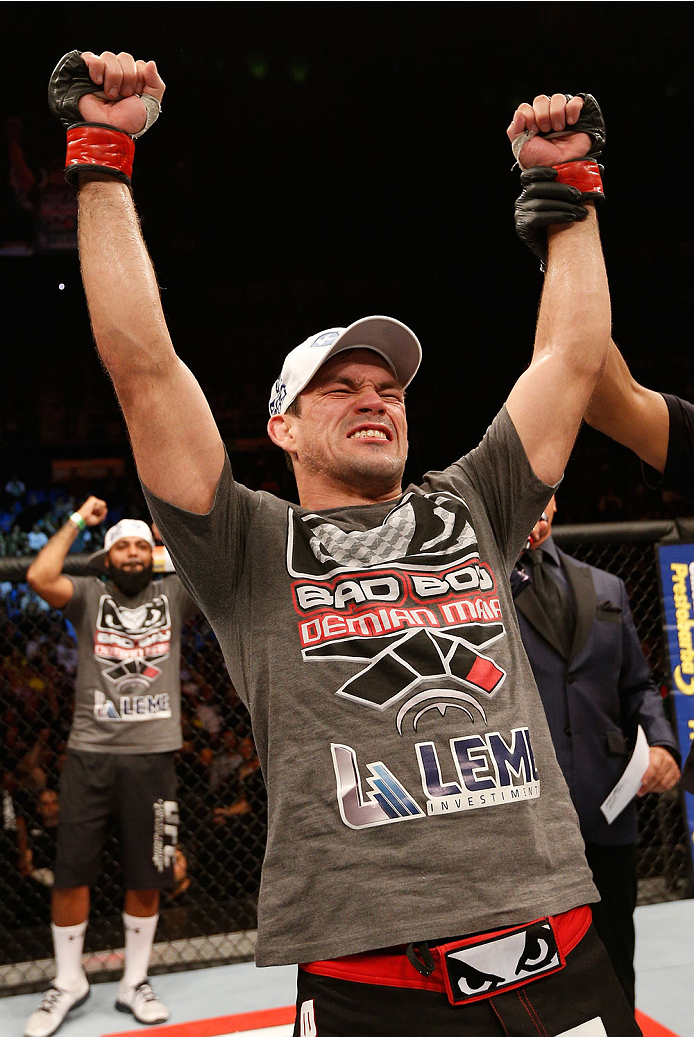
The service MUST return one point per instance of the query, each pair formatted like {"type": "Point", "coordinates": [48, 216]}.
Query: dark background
{"type": "Point", "coordinates": [318, 162]}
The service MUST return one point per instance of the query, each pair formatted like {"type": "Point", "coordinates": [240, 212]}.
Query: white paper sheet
{"type": "Point", "coordinates": [630, 782]}
{"type": "Point", "coordinates": [593, 1028]}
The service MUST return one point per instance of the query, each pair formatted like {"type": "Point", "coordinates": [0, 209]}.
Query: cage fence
{"type": "Point", "coordinates": [209, 915]}
{"type": "Point", "coordinates": [628, 550]}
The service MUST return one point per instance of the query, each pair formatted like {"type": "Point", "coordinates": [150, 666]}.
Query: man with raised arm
{"type": "Point", "coordinates": [424, 864]}
{"type": "Point", "coordinates": [596, 688]}
{"type": "Point", "coordinates": [119, 764]}
{"type": "Point", "coordinates": [658, 427]}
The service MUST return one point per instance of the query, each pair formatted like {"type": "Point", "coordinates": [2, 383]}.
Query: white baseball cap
{"type": "Point", "coordinates": [384, 335]}
{"type": "Point", "coordinates": [124, 528]}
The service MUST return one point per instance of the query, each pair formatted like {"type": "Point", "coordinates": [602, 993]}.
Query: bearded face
{"type": "Point", "coordinates": [131, 581]}
{"type": "Point", "coordinates": [129, 565]}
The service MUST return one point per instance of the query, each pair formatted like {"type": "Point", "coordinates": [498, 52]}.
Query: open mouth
{"type": "Point", "coordinates": [380, 434]}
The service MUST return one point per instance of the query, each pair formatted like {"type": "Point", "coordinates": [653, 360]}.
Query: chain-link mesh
{"type": "Point", "coordinates": [663, 859]}
{"type": "Point", "coordinates": [210, 914]}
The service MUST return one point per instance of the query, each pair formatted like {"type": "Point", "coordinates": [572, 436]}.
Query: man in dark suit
{"type": "Point", "coordinates": [596, 688]}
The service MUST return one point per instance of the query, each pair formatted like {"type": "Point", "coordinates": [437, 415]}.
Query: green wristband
{"type": "Point", "coordinates": [78, 521]}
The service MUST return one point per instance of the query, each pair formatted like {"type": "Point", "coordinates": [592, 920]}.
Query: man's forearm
{"type": "Point", "coordinates": [630, 413]}
{"type": "Point", "coordinates": [548, 402]}
{"type": "Point", "coordinates": [575, 319]}
{"type": "Point", "coordinates": [120, 285]}
{"type": "Point", "coordinates": [177, 448]}
{"type": "Point", "coordinates": [48, 564]}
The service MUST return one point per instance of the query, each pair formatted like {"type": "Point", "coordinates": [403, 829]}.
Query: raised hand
{"type": "Point", "coordinates": [93, 511]}
{"type": "Point", "coordinates": [122, 79]}
{"type": "Point", "coordinates": [548, 115]}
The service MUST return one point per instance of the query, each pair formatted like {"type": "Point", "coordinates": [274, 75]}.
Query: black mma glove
{"type": "Point", "coordinates": [542, 203]}
{"type": "Point", "coordinates": [557, 194]}
{"type": "Point", "coordinates": [94, 146]}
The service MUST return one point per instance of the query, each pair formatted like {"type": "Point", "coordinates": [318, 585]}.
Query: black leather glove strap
{"type": "Point", "coordinates": [69, 81]}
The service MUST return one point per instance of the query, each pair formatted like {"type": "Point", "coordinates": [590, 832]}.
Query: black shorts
{"type": "Point", "coordinates": [585, 994]}
{"type": "Point", "coordinates": [139, 793]}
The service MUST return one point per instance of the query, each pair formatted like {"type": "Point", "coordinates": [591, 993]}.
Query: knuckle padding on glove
{"type": "Point", "coordinates": [69, 81]}
{"type": "Point", "coordinates": [590, 121]}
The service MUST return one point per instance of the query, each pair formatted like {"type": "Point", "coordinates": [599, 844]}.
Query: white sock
{"type": "Point", "coordinates": [139, 937]}
{"type": "Point", "coordinates": [68, 943]}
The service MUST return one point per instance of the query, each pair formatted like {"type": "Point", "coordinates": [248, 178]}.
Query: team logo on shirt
{"type": "Point", "coordinates": [485, 770]}
{"type": "Point", "coordinates": [128, 644]}
{"type": "Point", "coordinates": [408, 602]}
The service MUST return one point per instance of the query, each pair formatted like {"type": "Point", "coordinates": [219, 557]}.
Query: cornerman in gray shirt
{"type": "Point", "coordinates": [120, 757]}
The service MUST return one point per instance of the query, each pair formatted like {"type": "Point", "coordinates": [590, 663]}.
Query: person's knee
{"type": "Point", "coordinates": [70, 905]}
{"type": "Point", "coordinates": [141, 902]}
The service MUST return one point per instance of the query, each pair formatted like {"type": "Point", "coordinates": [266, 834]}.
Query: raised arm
{"type": "Point", "coordinates": [572, 336]}
{"type": "Point", "coordinates": [635, 416]}
{"type": "Point", "coordinates": [45, 574]}
{"type": "Point", "coordinates": [176, 444]}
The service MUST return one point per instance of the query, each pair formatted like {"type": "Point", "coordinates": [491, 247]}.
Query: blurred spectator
{"type": "Point", "coordinates": [36, 858]}
{"type": "Point", "coordinates": [182, 880]}
{"type": "Point", "coordinates": [250, 786]}
{"type": "Point", "coordinates": [13, 843]}
{"type": "Point", "coordinates": [15, 487]}
{"type": "Point", "coordinates": [209, 718]}
{"type": "Point", "coordinates": [66, 654]}
{"type": "Point", "coordinates": [225, 762]}
{"type": "Point", "coordinates": [56, 217]}
{"type": "Point", "coordinates": [36, 861]}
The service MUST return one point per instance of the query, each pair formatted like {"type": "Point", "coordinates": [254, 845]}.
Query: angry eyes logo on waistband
{"type": "Point", "coordinates": [476, 970]}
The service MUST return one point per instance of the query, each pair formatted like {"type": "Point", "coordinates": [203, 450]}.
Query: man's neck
{"type": "Point", "coordinates": [319, 492]}
{"type": "Point", "coordinates": [327, 497]}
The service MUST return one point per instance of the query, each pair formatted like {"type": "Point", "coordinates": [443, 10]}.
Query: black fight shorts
{"type": "Point", "coordinates": [138, 792]}
{"type": "Point", "coordinates": [582, 999]}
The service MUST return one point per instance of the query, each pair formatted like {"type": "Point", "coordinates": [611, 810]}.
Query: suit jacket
{"type": "Point", "coordinates": [596, 697]}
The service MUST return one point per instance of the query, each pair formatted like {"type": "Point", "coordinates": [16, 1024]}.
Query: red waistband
{"type": "Point", "coordinates": [390, 966]}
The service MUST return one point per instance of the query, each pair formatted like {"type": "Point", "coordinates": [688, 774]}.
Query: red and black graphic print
{"type": "Point", "coordinates": [128, 644]}
{"type": "Point", "coordinates": [408, 602]}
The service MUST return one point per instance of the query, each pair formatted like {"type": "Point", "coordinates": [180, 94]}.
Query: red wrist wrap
{"type": "Point", "coordinates": [584, 175]}
{"type": "Point", "coordinates": [95, 146]}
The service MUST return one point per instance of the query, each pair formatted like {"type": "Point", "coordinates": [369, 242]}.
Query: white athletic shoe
{"type": "Point", "coordinates": [54, 1007]}
{"type": "Point", "coordinates": [142, 1002]}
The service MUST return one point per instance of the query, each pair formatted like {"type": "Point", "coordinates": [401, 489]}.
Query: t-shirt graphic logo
{"type": "Point", "coordinates": [474, 970]}
{"type": "Point", "coordinates": [424, 531]}
{"type": "Point", "coordinates": [128, 643]}
{"type": "Point", "coordinates": [151, 615]}
{"type": "Point", "coordinates": [409, 602]}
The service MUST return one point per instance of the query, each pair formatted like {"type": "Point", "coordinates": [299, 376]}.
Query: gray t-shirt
{"type": "Point", "coordinates": [413, 791]}
{"type": "Point", "coordinates": [128, 686]}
